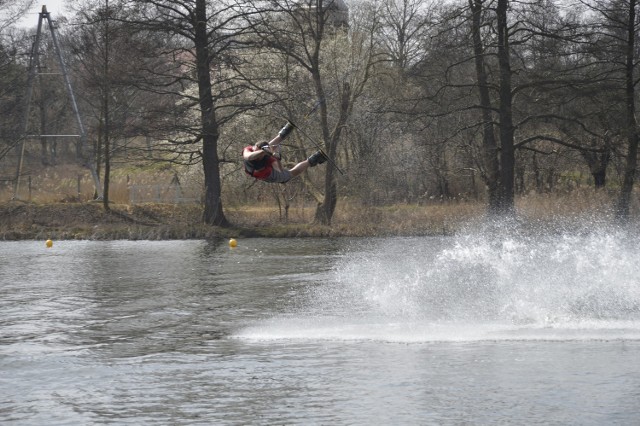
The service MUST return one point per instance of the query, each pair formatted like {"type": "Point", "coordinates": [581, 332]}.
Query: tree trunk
{"type": "Point", "coordinates": [107, 159]}
{"type": "Point", "coordinates": [598, 163]}
{"type": "Point", "coordinates": [490, 149]}
{"type": "Point", "coordinates": [507, 157]}
{"type": "Point", "coordinates": [105, 108]}
{"type": "Point", "coordinates": [537, 174]}
{"type": "Point", "coordinates": [631, 125]}
{"type": "Point", "coordinates": [326, 209]}
{"type": "Point", "coordinates": [213, 212]}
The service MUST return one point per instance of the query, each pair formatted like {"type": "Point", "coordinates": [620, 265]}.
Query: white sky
{"type": "Point", "coordinates": [56, 8]}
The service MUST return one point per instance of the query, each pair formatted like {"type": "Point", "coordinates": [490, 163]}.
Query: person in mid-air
{"type": "Point", "coordinates": [261, 161]}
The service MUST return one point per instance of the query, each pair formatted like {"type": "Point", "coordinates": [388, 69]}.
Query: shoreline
{"type": "Point", "coordinates": [89, 221]}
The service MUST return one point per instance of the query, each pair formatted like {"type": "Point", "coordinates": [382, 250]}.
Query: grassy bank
{"type": "Point", "coordinates": [20, 220]}
{"type": "Point", "coordinates": [89, 220]}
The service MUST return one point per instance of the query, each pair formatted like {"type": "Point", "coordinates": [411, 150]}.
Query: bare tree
{"type": "Point", "coordinates": [339, 61]}
{"type": "Point", "coordinates": [13, 76]}
{"type": "Point", "coordinates": [13, 70]}
{"type": "Point", "coordinates": [102, 45]}
{"type": "Point", "coordinates": [631, 125]}
{"type": "Point", "coordinates": [403, 27]}
{"type": "Point", "coordinates": [12, 10]}
{"type": "Point", "coordinates": [202, 38]}
{"type": "Point", "coordinates": [490, 148]}
{"type": "Point", "coordinates": [529, 79]}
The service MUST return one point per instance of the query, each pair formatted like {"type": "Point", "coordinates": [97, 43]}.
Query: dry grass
{"type": "Point", "coordinates": [577, 203]}
{"type": "Point", "coordinates": [88, 220]}
{"type": "Point", "coordinates": [56, 209]}
{"type": "Point", "coordinates": [74, 183]}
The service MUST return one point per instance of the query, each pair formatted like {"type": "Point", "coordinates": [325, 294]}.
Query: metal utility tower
{"type": "Point", "coordinates": [87, 156]}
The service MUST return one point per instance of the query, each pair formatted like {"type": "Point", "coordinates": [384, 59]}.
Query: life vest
{"type": "Point", "coordinates": [260, 168]}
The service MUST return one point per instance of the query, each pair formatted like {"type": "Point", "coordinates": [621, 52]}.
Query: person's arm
{"type": "Point", "coordinates": [282, 134]}
{"type": "Point", "coordinates": [249, 155]}
{"type": "Point", "coordinates": [275, 142]}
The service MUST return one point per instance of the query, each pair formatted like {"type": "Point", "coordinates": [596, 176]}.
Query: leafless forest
{"type": "Point", "coordinates": [414, 100]}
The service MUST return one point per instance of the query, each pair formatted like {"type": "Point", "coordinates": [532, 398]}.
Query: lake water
{"type": "Point", "coordinates": [479, 328]}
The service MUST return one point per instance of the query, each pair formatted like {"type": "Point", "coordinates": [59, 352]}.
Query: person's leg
{"type": "Point", "coordinates": [277, 166]}
{"type": "Point", "coordinates": [277, 176]}
{"type": "Point", "coordinates": [313, 160]}
{"type": "Point", "coordinates": [299, 168]}
{"type": "Point", "coordinates": [317, 158]}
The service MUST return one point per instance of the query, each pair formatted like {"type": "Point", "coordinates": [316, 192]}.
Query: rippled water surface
{"type": "Point", "coordinates": [459, 330]}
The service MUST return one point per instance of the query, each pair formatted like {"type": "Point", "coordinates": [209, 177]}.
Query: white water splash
{"type": "Point", "coordinates": [498, 285]}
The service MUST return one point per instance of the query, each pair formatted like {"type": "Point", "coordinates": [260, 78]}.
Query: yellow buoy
{"type": "Point", "coordinates": [49, 243]}
{"type": "Point", "coordinates": [233, 242]}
